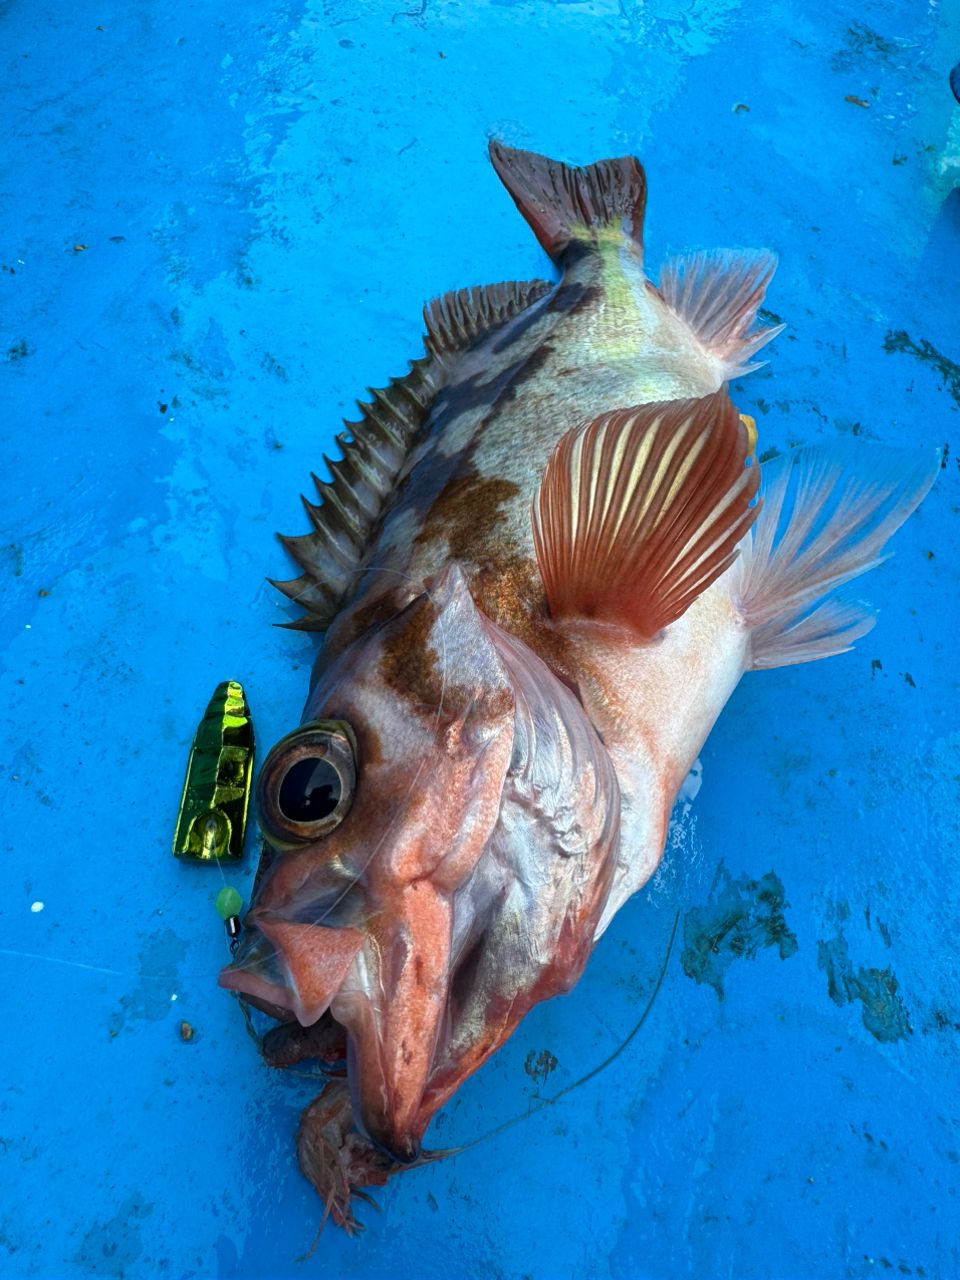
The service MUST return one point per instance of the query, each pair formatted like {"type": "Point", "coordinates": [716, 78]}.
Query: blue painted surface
{"type": "Point", "coordinates": [266, 195]}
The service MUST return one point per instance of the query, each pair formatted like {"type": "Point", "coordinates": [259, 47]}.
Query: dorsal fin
{"type": "Point", "coordinates": [457, 319]}
{"type": "Point", "coordinates": [376, 447]}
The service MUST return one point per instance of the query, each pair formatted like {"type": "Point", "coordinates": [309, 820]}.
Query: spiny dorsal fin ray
{"type": "Point", "coordinates": [640, 510]}
{"type": "Point", "coordinates": [376, 447]}
{"type": "Point", "coordinates": [457, 319]}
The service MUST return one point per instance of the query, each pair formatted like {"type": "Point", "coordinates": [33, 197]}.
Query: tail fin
{"type": "Point", "coordinates": [563, 204]}
{"type": "Point", "coordinates": [827, 514]}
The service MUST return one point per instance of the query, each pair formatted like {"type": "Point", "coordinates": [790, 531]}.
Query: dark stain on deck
{"type": "Point", "coordinates": [878, 991]}
{"type": "Point", "coordinates": [924, 351]}
{"type": "Point", "coordinates": [742, 917]}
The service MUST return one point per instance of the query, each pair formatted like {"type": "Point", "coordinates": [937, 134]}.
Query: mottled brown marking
{"type": "Point", "coordinates": [486, 389]}
{"type": "Point", "coordinates": [369, 745]}
{"type": "Point", "coordinates": [374, 613]}
{"type": "Point", "coordinates": [567, 301]}
{"type": "Point", "coordinates": [535, 362]}
{"type": "Point", "coordinates": [467, 513]}
{"type": "Point", "coordinates": [509, 590]}
{"type": "Point", "coordinates": [409, 664]}
{"type": "Point", "coordinates": [500, 703]}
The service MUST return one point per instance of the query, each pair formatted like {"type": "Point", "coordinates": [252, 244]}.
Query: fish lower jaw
{"type": "Point", "coordinates": [269, 997]}
{"type": "Point", "coordinates": [401, 1148]}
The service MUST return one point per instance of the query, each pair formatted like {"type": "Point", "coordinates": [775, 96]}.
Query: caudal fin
{"type": "Point", "coordinates": [563, 203]}
{"type": "Point", "coordinates": [827, 513]}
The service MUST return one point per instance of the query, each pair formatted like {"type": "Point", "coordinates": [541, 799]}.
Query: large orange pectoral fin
{"type": "Point", "coordinates": [317, 961]}
{"type": "Point", "coordinates": [640, 510]}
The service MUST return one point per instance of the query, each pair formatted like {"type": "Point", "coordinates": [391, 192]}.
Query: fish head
{"type": "Point", "coordinates": [375, 811]}
{"type": "Point", "coordinates": [412, 833]}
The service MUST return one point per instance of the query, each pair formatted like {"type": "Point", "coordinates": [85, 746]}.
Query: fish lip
{"type": "Point", "coordinates": [269, 997]}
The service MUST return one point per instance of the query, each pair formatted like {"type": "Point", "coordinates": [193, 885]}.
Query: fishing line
{"type": "Point", "coordinates": [99, 968]}
{"type": "Point", "coordinates": [78, 964]}
{"type": "Point", "coordinates": [543, 1103]}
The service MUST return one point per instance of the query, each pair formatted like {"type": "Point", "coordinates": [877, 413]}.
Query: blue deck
{"type": "Point", "coordinates": [219, 223]}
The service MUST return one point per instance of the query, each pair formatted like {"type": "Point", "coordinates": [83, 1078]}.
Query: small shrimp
{"type": "Point", "coordinates": [337, 1159]}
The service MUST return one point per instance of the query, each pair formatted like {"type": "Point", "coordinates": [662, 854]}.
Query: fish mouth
{"type": "Point", "coordinates": [260, 973]}
{"type": "Point", "coordinates": [298, 972]}
{"type": "Point", "coordinates": [297, 968]}
{"type": "Point", "coordinates": [255, 974]}
{"type": "Point", "coordinates": [269, 997]}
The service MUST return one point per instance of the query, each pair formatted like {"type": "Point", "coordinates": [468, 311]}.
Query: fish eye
{"type": "Point", "coordinates": [307, 783]}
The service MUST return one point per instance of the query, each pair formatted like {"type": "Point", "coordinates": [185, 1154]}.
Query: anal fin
{"type": "Point", "coordinates": [640, 510]}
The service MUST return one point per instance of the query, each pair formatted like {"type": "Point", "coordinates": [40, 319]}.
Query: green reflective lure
{"type": "Point", "coordinates": [216, 791]}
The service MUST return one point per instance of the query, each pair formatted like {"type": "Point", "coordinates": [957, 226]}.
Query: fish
{"type": "Point", "coordinates": [543, 562]}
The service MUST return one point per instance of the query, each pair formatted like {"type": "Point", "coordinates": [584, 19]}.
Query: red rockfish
{"type": "Point", "coordinates": [541, 567]}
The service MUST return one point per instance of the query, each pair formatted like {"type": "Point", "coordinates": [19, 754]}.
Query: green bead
{"type": "Point", "coordinates": [229, 902]}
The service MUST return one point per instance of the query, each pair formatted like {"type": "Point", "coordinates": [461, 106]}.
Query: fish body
{"type": "Point", "coordinates": [526, 571]}
{"type": "Point", "coordinates": [604, 337]}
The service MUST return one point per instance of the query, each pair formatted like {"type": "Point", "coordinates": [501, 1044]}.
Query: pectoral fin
{"type": "Point", "coordinates": [640, 510]}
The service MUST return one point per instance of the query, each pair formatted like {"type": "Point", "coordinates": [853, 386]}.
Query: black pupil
{"type": "Point", "coordinates": [310, 790]}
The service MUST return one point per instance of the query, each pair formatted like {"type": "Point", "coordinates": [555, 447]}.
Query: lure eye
{"type": "Point", "coordinates": [307, 783]}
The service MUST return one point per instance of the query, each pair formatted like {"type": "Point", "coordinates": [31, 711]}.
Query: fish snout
{"type": "Point", "coordinates": [291, 967]}
{"type": "Point", "coordinates": [315, 960]}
